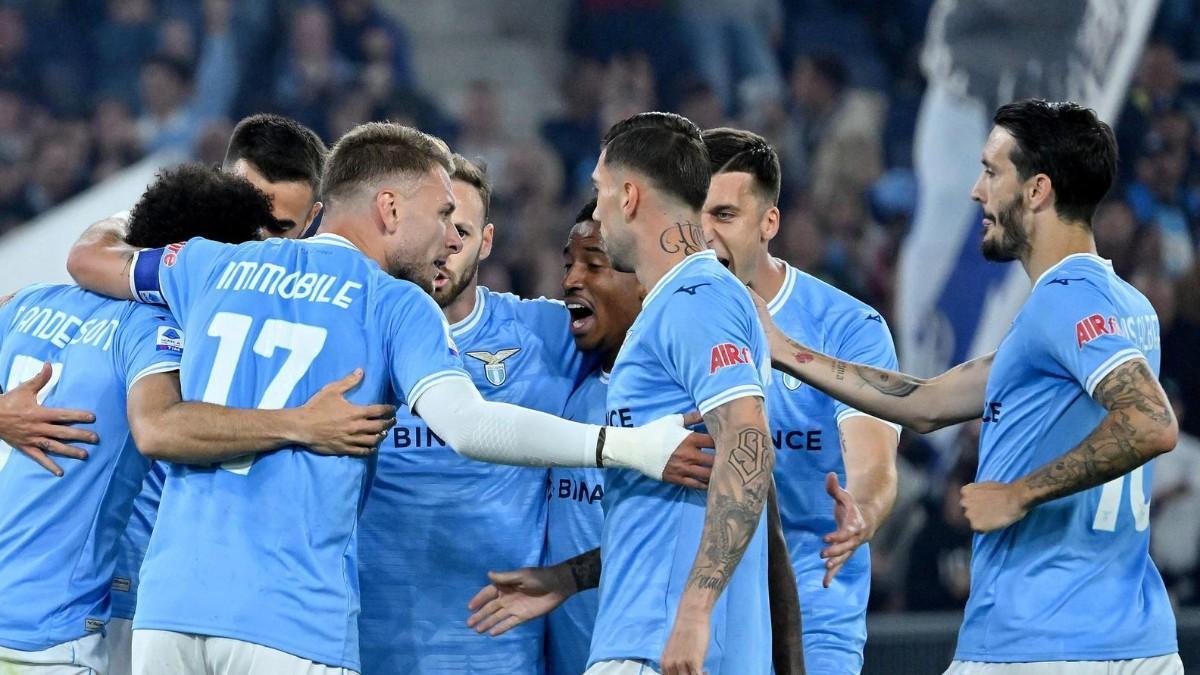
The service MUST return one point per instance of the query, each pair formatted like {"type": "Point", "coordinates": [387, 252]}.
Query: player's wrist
{"type": "Point", "coordinates": [646, 449]}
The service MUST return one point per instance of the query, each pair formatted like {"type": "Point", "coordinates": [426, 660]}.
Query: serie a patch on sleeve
{"type": "Point", "coordinates": [170, 339]}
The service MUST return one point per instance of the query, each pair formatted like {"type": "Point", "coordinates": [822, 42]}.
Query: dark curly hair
{"type": "Point", "coordinates": [194, 200]}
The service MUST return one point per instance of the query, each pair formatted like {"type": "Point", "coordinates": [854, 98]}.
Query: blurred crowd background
{"type": "Point", "coordinates": [88, 87]}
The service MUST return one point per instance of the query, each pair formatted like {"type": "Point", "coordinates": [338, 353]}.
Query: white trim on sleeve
{"type": "Point", "coordinates": [133, 274]}
{"type": "Point", "coordinates": [154, 369]}
{"type": "Point", "coordinates": [851, 412]}
{"type": "Point", "coordinates": [1101, 372]}
{"type": "Point", "coordinates": [418, 390]}
{"type": "Point", "coordinates": [733, 393]}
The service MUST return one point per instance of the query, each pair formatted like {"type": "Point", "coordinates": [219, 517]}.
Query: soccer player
{"type": "Point", "coordinates": [1061, 577]}
{"type": "Point", "coordinates": [283, 158]}
{"type": "Point", "coordinates": [820, 443]}
{"type": "Point", "coordinates": [683, 587]}
{"type": "Point", "coordinates": [415, 578]}
{"type": "Point", "coordinates": [254, 565]}
{"type": "Point", "coordinates": [58, 535]}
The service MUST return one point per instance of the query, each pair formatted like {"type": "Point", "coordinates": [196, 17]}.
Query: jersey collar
{"type": "Point", "coordinates": [674, 272]}
{"type": "Point", "coordinates": [785, 291]}
{"type": "Point", "coordinates": [1073, 256]}
{"type": "Point", "coordinates": [605, 376]}
{"type": "Point", "coordinates": [471, 320]}
{"type": "Point", "coordinates": [332, 240]}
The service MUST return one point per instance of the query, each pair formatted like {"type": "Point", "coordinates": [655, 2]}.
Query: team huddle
{"type": "Point", "coordinates": [233, 449]}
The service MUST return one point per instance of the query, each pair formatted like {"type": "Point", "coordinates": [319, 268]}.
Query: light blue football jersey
{"type": "Point", "coordinates": [1073, 579]}
{"type": "Point", "coordinates": [804, 428]}
{"type": "Point", "coordinates": [265, 549]}
{"type": "Point", "coordinates": [573, 525]}
{"type": "Point", "coordinates": [58, 536]}
{"type": "Point", "coordinates": [436, 522]}
{"type": "Point", "coordinates": [696, 345]}
{"type": "Point", "coordinates": [131, 548]}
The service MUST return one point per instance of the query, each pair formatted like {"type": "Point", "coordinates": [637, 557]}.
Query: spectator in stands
{"type": "Point", "coordinates": [116, 140]}
{"type": "Point", "coordinates": [832, 122]}
{"type": "Point", "coordinates": [482, 133]}
{"type": "Point", "coordinates": [1155, 88]}
{"type": "Point", "coordinates": [1163, 202]}
{"type": "Point", "coordinates": [372, 39]}
{"type": "Point", "coordinates": [700, 104]}
{"type": "Point", "coordinates": [57, 173]}
{"type": "Point", "coordinates": [16, 68]}
{"type": "Point", "coordinates": [1175, 510]}
{"type": "Point", "coordinates": [939, 574]}
{"type": "Point", "coordinates": [1116, 232]}
{"type": "Point", "coordinates": [1180, 335]}
{"type": "Point", "coordinates": [123, 42]}
{"type": "Point", "coordinates": [311, 72]}
{"type": "Point", "coordinates": [574, 135]}
{"type": "Point", "coordinates": [731, 43]}
{"type": "Point", "coordinates": [176, 107]}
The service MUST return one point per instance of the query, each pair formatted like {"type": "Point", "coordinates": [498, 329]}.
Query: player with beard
{"type": "Point", "coordinates": [253, 565]}
{"type": "Point", "coordinates": [1073, 415]}
{"type": "Point", "coordinates": [416, 578]}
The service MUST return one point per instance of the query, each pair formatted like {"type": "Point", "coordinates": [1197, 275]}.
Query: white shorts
{"type": "Point", "coordinates": [1155, 665]}
{"type": "Point", "coordinates": [86, 656]}
{"type": "Point", "coordinates": [620, 668]}
{"type": "Point", "coordinates": [120, 646]}
{"type": "Point", "coordinates": [157, 651]}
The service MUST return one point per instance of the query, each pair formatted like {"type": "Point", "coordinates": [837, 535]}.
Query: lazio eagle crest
{"type": "Point", "coordinates": [494, 368]}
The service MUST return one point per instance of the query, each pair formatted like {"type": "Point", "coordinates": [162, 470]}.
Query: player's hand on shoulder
{"type": "Point", "coordinates": [992, 506]}
{"type": "Point", "coordinates": [852, 530]}
{"type": "Point", "coordinates": [39, 432]}
{"type": "Point", "coordinates": [331, 425]}
{"type": "Point", "coordinates": [688, 643]}
{"type": "Point", "coordinates": [518, 596]}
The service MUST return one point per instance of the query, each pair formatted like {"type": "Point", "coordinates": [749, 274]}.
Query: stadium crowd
{"type": "Point", "coordinates": [824, 81]}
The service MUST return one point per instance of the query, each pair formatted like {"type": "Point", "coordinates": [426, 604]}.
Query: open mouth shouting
{"type": "Point", "coordinates": [583, 315]}
{"type": "Point", "coordinates": [443, 275]}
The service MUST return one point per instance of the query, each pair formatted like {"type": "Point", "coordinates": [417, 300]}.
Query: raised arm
{"type": "Point", "coordinates": [167, 428]}
{"type": "Point", "coordinates": [922, 405]}
{"type": "Point", "coordinates": [1139, 426]}
{"type": "Point", "coordinates": [737, 495]}
{"type": "Point", "coordinates": [490, 431]}
{"type": "Point", "coordinates": [101, 261]}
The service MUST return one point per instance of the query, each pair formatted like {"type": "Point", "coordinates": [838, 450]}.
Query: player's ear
{"type": "Point", "coordinates": [387, 208]}
{"type": "Point", "coordinates": [630, 198]}
{"type": "Point", "coordinates": [312, 215]}
{"type": "Point", "coordinates": [489, 232]}
{"type": "Point", "coordinates": [1038, 192]}
{"type": "Point", "coordinates": [768, 226]}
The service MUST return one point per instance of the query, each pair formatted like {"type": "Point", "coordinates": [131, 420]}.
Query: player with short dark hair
{"type": "Point", "coordinates": [255, 563]}
{"type": "Point", "coordinates": [119, 360]}
{"type": "Point", "coordinates": [1073, 415]}
{"type": "Point", "coordinates": [669, 552]}
{"type": "Point", "coordinates": [820, 443]}
{"type": "Point", "coordinates": [284, 159]}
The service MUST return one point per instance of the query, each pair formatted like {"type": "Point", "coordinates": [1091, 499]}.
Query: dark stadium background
{"type": "Point", "coordinates": [96, 94]}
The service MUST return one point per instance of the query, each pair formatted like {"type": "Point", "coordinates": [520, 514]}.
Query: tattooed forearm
{"type": "Point", "coordinates": [1139, 423]}
{"type": "Point", "coordinates": [585, 569]}
{"type": "Point", "coordinates": [737, 492]}
{"type": "Point", "coordinates": [686, 236]}
{"type": "Point", "coordinates": [893, 384]}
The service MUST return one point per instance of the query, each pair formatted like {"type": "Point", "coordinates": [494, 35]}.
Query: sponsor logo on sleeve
{"type": "Point", "coordinates": [728, 354]}
{"type": "Point", "coordinates": [171, 254]}
{"type": "Point", "coordinates": [170, 339]}
{"type": "Point", "coordinates": [1094, 326]}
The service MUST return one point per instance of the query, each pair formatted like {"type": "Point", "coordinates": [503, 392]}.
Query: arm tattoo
{"type": "Point", "coordinates": [899, 386]}
{"type": "Point", "coordinates": [737, 495]}
{"type": "Point", "coordinates": [1116, 446]}
{"type": "Point", "coordinates": [686, 236]}
{"type": "Point", "coordinates": [585, 569]}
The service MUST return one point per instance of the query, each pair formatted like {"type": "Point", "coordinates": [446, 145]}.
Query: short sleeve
{"type": "Point", "coordinates": [421, 352]}
{"type": "Point", "coordinates": [709, 340]}
{"type": "Point", "coordinates": [1084, 333]}
{"type": "Point", "coordinates": [177, 274]}
{"type": "Point", "coordinates": [148, 341]}
{"type": "Point", "coordinates": [862, 336]}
